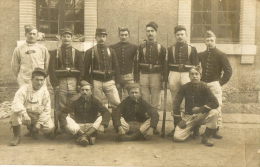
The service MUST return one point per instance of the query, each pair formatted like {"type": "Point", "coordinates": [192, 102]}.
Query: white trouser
{"type": "Point", "coordinates": [151, 88]}
{"type": "Point", "coordinates": [216, 89]}
{"type": "Point", "coordinates": [72, 127]}
{"type": "Point", "coordinates": [210, 119]}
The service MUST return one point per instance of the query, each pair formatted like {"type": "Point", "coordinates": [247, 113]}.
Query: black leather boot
{"type": "Point", "coordinates": [215, 134]}
{"type": "Point", "coordinates": [17, 135]}
{"type": "Point", "coordinates": [205, 137]}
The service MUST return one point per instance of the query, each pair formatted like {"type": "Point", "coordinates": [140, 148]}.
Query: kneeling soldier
{"type": "Point", "coordinates": [32, 107]}
{"type": "Point", "coordinates": [87, 117]}
{"type": "Point", "coordinates": [200, 108]}
{"type": "Point", "coordinates": [135, 118]}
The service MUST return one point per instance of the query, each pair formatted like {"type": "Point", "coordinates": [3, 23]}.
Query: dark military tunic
{"type": "Point", "coordinates": [139, 111]}
{"type": "Point", "coordinates": [103, 61]}
{"type": "Point", "coordinates": [181, 56]}
{"type": "Point", "coordinates": [65, 60]}
{"type": "Point", "coordinates": [196, 95]}
{"type": "Point", "coordinates": [126, 53]}
{"type": "Point", "coordinates": [88, 111]}
{"type": "Point", "coordinates": [213, 63]}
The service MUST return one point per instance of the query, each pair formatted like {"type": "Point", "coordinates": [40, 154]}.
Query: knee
{"type": "Point", "coordinates": [213, 113]}
{"type": "Point", "coordinates": [178, 138]}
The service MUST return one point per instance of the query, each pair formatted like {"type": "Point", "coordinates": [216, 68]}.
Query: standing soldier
{"type": "Point", "coordinates": [151, 60]}
{"type": "Point", "coordinates": [66, 70]}
{"type": "Point", "coordinates": [126, 53]}
{"type": "Point", "coordinates": [181, 58]}
{"type": "Point", "coordinates": [102, 69]}
{"type": "Point", "coordinates": [216, 71]}
{"type": "Point", "coordinates": [28, 56]}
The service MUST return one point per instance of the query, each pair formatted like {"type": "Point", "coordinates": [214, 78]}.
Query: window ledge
{"type": "Point", "coordinates": [234, 49]}
{"type": "Point", "coordinates": [52, 45]}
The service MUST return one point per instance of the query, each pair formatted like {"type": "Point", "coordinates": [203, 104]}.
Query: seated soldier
{"type": "Point", "coordinates": [32, 107]}
{"type": "Point", "coordinates": [200, 108]}
{"type": "Point", "coordinates": [134, 118]}
{"type": "Point", "coordinates": [87, 117]}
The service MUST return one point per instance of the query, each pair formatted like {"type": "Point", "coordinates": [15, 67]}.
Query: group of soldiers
{"type": "Point", "coordinates": [130, 76]}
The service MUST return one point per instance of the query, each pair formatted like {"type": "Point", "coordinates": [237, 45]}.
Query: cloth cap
{"type": "Point", "coordinates": [66, 31]}
{"type": "Point", "coordinates": [196, 68]}
{"type": "Point", "coordinates": [28, 28]}
{"type": "Point", "coordinates": [39, 71]}
{"type": "Point", "coordinates": [153, 25]}
{"type": "Point", "coordinates": [123, 29]}
{"type": "Point", "coordinates": [100, 31]}
{"type": "Point", "coordinates": [84, 83]}
{"type": "Point", "coordinates": [179, 28]}
{"type": "Point", "coordinates": [132, 85]}
{"type": "Point", "coordinates": [209, 34]}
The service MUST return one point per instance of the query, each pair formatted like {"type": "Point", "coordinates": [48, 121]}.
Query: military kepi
{"type": "Point", "coordinates": [209, 34]}
{"type": "Point", "coordinates": [84, 83]}
{"type": "Point", "coordinates": [179, 28]}
{"type": "Point", "coordinates": [39, 71]}
{"type": "Point", "coordinates": [153, 25]}
{"type": "Point", "coordinates": [66, 31]}
{"type": "Point", "coordinates": [28, 28]}
{"type": "Point", "coordinates": [100, 31]}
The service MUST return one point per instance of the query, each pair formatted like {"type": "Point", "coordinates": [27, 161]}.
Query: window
{"type": "Point", "coordinates": [55, 15]}
{"type": "Point", "coordinates": [220, 16]}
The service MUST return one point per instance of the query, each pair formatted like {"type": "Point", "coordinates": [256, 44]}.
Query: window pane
{"type": "Point", "coordinates": [201, 18]}
{"type": "Point", "coordinates": [228, 5]}
{"type": "Point", "coordinates": [227, 18]}
{"type": "Point", "coordinates": [201, 5]}
{"type": "Point", "coordinates": [54, 15]}
{"type": "Point", "coordinates": [78, 28]}
{"type": "Point", "coordinates": [228, 32]}
{"type": "Point", "coordinates": [198, 31]}
{"type": "Point", "coordinates": [69, 15]}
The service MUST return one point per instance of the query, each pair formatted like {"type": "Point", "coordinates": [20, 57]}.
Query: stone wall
{"type": "Point", "coordinates": [9, 33]}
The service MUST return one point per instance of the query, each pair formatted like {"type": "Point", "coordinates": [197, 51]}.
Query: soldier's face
{"type": "Point", "coordinates": [37, 82]}
{"type": "Point", "coordinates": [31, 37]}
{"type": "Point", "coordinates": [86, 91]}
{"type": "Point", "coordinates": [101, 38]}
{"type": "Point", "coordinates": [135, 94]}
{"type": "Point", "coordinates": [181, 36]}
{"type": "Point", "coordinates": [66, 39]}
{"type": "Point", "coordinates": [210, 42]}
{"type": "Point", "coordinates": [194, 76]}
{"type": "Point", "coordinates": [124, 36]}
{"type": "Point", "coordinates": [151, 33]}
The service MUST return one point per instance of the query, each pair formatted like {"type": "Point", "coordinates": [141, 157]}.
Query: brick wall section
{"type": "Point", "coordinates": [184, 15]}
{"type": "Point", "coordinates": [115, 13]}
{"type": "Point", "coordinates": [247, 21]}
{"type": "Point", "coordinates": [9, 26]}
{"type": "Point", "coordinates": [90, 19]}
{"type": "Point", "coordinates": [27, 9]}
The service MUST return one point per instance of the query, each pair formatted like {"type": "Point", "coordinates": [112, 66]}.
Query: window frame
{"type": "Point", "coordinates": [214, 23]}
{"type": "Point", "coordinates": [61, 21]}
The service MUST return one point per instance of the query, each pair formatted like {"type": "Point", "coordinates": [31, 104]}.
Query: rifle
{"type": "Point", "coordinates": [165, 91]}
{"type": "Point", "coordinates": [137, 71]}
{"type": "Point", "coordinates": [56, 96]}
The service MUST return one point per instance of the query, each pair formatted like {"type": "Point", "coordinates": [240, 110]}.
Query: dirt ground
{"type": "Point", "coordinates": [238, 149]}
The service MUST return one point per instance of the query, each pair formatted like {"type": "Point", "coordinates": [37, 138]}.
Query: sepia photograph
{"type": "Point", "coordinates": [130, 83]}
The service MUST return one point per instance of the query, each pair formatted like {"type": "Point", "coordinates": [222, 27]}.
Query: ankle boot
{"type": "Point", "coordinates": [215, 134]}
{"type": "Point", "coordinates": [196, 132]}
{"type": "Point", "coordinates": [17, 135]}
{"type": "Point", "coordinates": [205, 138]}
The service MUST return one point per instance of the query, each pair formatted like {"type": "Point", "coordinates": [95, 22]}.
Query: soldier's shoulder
{"type": "Point", "coordinates": [75, 97]}
{"type": "Point", "coordinates": [115, 45]}
{"type": "Point", "coordinates": [219, 52]}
